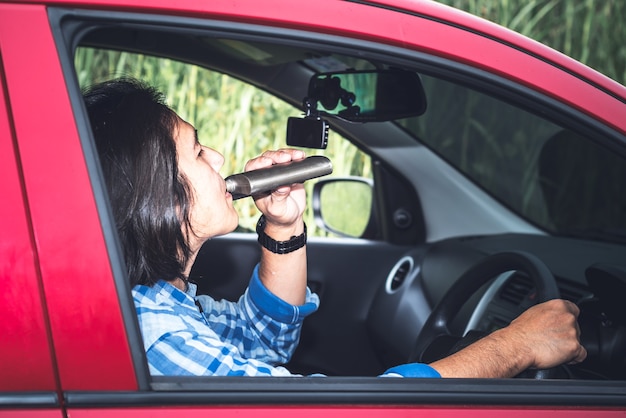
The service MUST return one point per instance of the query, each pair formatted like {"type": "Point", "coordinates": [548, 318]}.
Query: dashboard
{"type": "Point", "coordinates": [589, 274]}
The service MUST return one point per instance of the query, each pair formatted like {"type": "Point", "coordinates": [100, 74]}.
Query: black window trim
{"type": "Point", "coordinates": [29, 400]}
{"type": "Point", "coordinates": [363, 391]}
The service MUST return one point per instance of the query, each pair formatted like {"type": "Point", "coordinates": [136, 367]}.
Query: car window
{"type": "Point", "coordinates": [527, 162]}
{"type": "Point", "coordinates": [240, 120]}
{"type": "Point", "coordinates": [554, 177]}
{"type": "Point", "coordinates": [233, 117]}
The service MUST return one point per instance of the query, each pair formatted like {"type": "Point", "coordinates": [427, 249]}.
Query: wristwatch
{"type": "Point", "coordinates": [279, 247]}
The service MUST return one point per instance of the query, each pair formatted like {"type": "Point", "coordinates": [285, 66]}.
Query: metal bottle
{"type": "Point", "coordinates": [264, 180]}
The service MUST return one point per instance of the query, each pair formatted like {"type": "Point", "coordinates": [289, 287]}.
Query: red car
{"type": "Point", "coordinates": [517, 149]}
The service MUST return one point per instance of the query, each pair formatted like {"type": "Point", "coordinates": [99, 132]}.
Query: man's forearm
{"type": "Point", "coordinates": [494, 356]}
{"type": "Point", "coordinates": [285, 274]}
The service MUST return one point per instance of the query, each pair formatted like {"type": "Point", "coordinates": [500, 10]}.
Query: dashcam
{"type": "Point", "coordinates": [307, 132]}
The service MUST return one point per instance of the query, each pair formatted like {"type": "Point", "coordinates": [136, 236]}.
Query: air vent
{"type": "Point", "coordinates": [516, 289]}
{"type": "Point", "coordinates": [398, 274]}
{"type": "Point", "coordinates": [573, 293]}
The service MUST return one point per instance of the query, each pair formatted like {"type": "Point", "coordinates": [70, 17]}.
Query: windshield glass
{"type": "Point", "coordinates": [558, 180]}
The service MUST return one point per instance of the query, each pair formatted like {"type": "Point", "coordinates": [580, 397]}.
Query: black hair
{"type": "Point", "coordinates": [134, 133]}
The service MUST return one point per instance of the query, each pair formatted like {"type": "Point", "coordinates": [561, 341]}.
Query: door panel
{"type": "Point", "coordinates": [25, 356]}
{"type": "Point", "coordinates": [345, 273]}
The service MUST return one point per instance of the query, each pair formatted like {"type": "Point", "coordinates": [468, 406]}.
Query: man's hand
{"type": "Point", "coordinates": [544, 336]}
{"type": "Point", "coordinates": [285, 205]}
{"type": "Point", "coordinates": [284, 275]}
{"type": "Point", "coordinates": [550, 334]}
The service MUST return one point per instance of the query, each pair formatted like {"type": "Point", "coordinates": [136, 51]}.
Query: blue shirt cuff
{"type": "Point", "coordinates": [276, 308]}
{"type": "Point", "coordinates": [419, 370]}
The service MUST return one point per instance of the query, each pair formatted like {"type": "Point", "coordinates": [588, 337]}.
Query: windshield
{"type": "Point", "coordinates": [558, 180]}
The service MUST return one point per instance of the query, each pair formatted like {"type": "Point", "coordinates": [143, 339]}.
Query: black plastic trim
{"type": "Point", "coordinates": [361, 391]}
{"type": "Point", "coordinates": [395, 196]}
{"type": "Point", "coordinates": [29, 400]}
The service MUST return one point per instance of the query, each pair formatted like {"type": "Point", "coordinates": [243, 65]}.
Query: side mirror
{"type": "Point", "coordinates": [367, 96]}
{"type": "Point", "coordinates": [344, 206]}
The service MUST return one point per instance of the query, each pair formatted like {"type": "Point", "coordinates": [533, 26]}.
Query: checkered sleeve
{"type": "Point", "coordinates": [260, 325]}
{"type": "Point", "coordinates": [221, 339]}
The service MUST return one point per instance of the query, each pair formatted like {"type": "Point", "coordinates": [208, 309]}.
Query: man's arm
{"type": "Point", "coordinates": [285, 275]}
{"type": "Point", "coordinates": [544, 336]}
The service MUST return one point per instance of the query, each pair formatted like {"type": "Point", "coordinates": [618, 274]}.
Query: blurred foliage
{"type": "Point", "coordinates": [590, 31]}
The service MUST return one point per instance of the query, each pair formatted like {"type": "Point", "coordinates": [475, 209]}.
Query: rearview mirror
{"type": "Point", "coordinates": [367, 96]}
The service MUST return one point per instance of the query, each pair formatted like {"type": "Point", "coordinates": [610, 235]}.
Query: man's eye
{"type": "Point", "coordinates": [201, 153]}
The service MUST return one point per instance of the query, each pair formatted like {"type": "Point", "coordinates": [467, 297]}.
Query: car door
{"type": "Point", "coordinates": [99, 352]}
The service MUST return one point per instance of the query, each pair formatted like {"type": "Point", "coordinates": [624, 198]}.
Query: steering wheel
{"type": "Point", "coordinates": [436, 326]}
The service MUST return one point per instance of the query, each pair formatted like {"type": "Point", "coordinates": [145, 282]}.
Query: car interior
{"type": "Point", "coordinates": [487, 199]}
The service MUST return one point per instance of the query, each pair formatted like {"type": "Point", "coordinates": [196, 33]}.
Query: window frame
{"type": "Point", "coordinates": [67, 26]}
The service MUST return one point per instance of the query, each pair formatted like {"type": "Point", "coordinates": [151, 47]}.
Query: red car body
{"type": "Point", "coordinates": [62, 326]}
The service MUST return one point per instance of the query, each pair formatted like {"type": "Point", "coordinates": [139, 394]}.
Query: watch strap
{"type": "Point", "coordinates": [279, 247]}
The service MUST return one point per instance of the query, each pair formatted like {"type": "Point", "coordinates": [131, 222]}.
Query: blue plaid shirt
{"type": "Point", "coordinates": [251, 337]}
